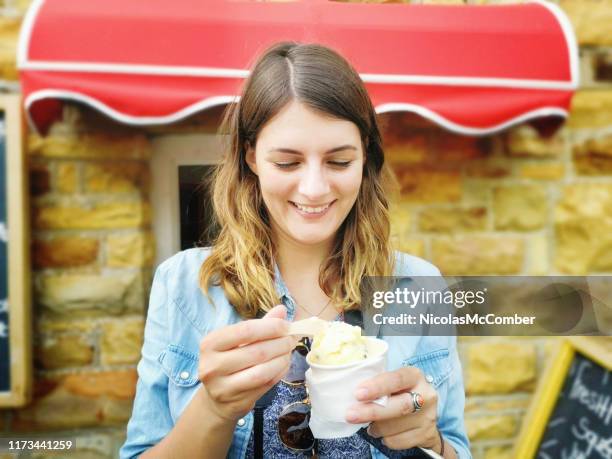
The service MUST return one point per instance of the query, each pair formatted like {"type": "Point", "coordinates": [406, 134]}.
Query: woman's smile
{"type": "Point", "coordinates": [312, 212]}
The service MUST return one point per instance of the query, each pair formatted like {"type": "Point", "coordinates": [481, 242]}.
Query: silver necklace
{"type": "Point", "coordinates": [320, 312]}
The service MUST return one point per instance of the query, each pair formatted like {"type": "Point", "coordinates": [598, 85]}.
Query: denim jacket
{"type": "Point", "coordinates": [179, 316]}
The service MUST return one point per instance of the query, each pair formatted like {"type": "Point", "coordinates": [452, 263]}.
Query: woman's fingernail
{"type": "Point", "coordinates": [361, 394]}
{"type": "Point", "coordinates": [352, 415]}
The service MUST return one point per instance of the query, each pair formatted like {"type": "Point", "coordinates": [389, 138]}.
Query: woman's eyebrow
{"type": "Point", "coordinates": [297, 152]}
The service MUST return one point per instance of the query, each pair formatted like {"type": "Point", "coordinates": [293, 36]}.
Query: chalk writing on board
{"type": "Point", "coordinates": [3, 232]}
{"type": "Point", "coordinates": [598, 403]}
{"type": "Point", "coordinates": [595, 442]}
{"type": "Point", "coordinates": [3, 330]}
{"type": "Point", "coordinates": [581, 424]}
{"type": "Point", "coordinates": [3, 306]}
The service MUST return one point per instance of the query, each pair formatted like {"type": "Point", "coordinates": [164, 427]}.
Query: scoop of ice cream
{"type": "Point", "coordinates": [338, 344]}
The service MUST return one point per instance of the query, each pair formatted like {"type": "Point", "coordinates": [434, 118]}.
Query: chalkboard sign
{"type": "Point", "coordinates": [5, 368]}
{"type": "Point", "coordinates": [571, 413]}
{"type": "Point", "coordinates": [15, 309]}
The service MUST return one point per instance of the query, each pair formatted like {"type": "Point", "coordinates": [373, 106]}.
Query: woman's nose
{"type": "Point", "coordinates": [313, 184]}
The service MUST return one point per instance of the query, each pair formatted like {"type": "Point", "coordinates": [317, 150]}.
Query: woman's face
{"type": "Point", "coordinates": [310, 168]}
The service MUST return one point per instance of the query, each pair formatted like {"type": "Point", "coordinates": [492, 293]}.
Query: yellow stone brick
{"type": "Point", "coordinates": [453, 220]}
{"type": "Point", "coordinates": [64, 351]}
{"type": "Point", "coordinates": [591, 20]}
{"type": "Point", "coordinates": [591, 108]}
{"type": "Point", "coordinates": [91, 146]}
{"type": "Point", "coordinates": [117, 177]}
{"type": "Point", "coordinates": [594, 156]}
{"type": "Point", "coordinates": [406, 151]}
{"type": "Point", "coordinates": [9, 34]}
{"type": "Point", "coordinates": [600, 146]}
{"type": "Point", "coordinates": [478, 255]}
{"type": "Point", "coordinates": [455, 150]}
{"type": "Point", "coordinates": [489, 168]}
{"type": "Point", "coordinates": [428, 185]}
{"type": "Point", "coordinates": [476, 193]}
{"type": "Point", "coordinates": [122, 341]}
{"type": "Point", "coordinates": [101, 216]}
{"type": "Point", "coordinates": [538, 263]}
{"type": "Point", "coordinates": [490, 427]}
{"type": "Point", "coordinates": [136, 249]}
{"type": "Point", "coordinates": [61, 326]}
{"type": "Point", "coordinates": [502, 367]}
{"type": "Point", "coordinates": [543, 171]}
{"type": "Point", "coordinates": [88, 446]}
{"type": "Point", "coordinates": [401, 220]}
{"type": "Point", "coordinates": [583, 229]}
{"type": "Point", "coordinates": [520, 207]}
{"type": "Point", "coordinates": [77, 401]}
{"type": "Point", "coordinates": [89, 295]}
{"type": "Point", "coordinates": [524, 140]}
{"type": "Point", "coordinates": [22, 5]}
{"type": "Point", "coordinates": [63, 252]}
{"type": "Point", "coordinates": [591, 164]}
{"type": "Point", "coordinates": [499, 452]}
{"type": "Point", "coordinates": [508, 404]}
{"type": "Point", "coordinates": [66, 178]}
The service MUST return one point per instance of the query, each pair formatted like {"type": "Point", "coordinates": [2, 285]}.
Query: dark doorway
{"type": "Point", "coordinates": [198, 224]}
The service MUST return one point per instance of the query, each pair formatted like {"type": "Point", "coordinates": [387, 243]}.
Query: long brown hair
{"type": "Point", "coordinates": [242, 257]}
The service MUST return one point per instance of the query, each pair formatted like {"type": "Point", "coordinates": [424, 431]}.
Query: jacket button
{"type": "Point", "coordinates": [184, 375]}
{"type": "Point", "coordinates": [241, 422]}
{"type": "Point", "coordinates": [429, 379]}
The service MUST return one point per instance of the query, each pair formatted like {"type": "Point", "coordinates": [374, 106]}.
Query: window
{"type": "Point", "coordinates": [182, 210]}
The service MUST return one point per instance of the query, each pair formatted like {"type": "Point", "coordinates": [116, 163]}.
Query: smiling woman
{"type": "Point", "coordinates": [303, 185]}
{"type": "Point", "coordinates": [308, 185]}
{"type": "Point", "coordinates": [302, 202]}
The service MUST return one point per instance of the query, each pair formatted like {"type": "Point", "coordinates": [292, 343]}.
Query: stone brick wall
{"type": "Point", "coordinates": [92, 255]}
{"type": "Point", "coordinates": [512, 203]}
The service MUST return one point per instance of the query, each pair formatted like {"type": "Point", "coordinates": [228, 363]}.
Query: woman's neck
{"type": "Point", "coordinates": [292, 257]}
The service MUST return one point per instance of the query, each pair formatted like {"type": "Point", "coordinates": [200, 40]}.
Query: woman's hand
{"type": "Point", "coordinates": [398, 425]}
{"type": "Point", "coordinates": [241, 362]}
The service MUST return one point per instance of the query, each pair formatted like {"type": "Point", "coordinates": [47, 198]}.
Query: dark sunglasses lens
{"type": "Point", "coordinates": [293, 427]}
{"type": "Point", "coordinates": [301, 349]}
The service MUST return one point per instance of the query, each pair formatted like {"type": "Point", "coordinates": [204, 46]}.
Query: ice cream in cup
{"type": "Point", "coordinates": [340, 359]}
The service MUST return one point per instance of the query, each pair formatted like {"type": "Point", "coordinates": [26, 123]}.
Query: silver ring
{"type": "Point", "coordinates": [417, 401]}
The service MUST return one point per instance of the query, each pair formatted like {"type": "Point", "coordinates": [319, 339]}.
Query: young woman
{"type": "Point", "coordinates": [302, 202]}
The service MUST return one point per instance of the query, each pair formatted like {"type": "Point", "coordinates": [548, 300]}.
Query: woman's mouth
{"type": "Point", "coordinates": [312, 211]}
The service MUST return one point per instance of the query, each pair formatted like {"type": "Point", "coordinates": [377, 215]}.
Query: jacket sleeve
{"type": "Point", "coordinates": [151, 419]}
{"type": "Point", "coordinates": [451, 423]}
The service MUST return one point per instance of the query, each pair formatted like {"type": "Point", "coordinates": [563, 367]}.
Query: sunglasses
{"type": "Point", "coordinates": [294, 418]}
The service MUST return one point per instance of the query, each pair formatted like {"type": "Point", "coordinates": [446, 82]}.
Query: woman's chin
{"type": "Point", "coordinates": [310, 239]}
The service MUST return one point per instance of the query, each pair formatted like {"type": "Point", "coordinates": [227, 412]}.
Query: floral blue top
{"type": "Point", "coordinates": [354, 447]}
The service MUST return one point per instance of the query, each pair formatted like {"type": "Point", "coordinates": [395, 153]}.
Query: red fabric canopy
{"type": "Point", "coordinates": [472, 69]}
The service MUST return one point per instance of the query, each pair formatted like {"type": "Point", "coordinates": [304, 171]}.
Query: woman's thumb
{"type": "Point", "coordinates": [277, 312]}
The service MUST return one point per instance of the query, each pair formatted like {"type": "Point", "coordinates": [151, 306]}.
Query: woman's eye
{"type": "Point", "coordinates": [295, 163]}
{"type": "Point", "coordinates": [285, 165]}
{"type": "Point", "coordinates": [340, 163]}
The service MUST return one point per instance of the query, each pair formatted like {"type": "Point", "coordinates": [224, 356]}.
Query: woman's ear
{"type": "Point", "coordinates": [250, 158]}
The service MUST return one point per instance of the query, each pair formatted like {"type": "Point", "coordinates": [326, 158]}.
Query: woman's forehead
{"type": "Point", "coordinates": [299, 127]}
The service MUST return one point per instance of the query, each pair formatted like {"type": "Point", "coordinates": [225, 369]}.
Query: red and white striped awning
{"type": "Point", "coordinates": [472, 69]}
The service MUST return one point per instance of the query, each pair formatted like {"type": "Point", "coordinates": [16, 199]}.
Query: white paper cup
{"type": "Point", "coordinates": [331, 390]}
